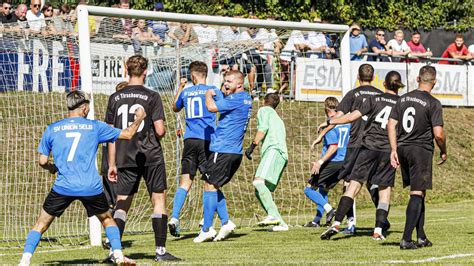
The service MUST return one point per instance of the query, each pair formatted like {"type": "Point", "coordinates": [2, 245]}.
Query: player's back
{"type": "Point", "coordinates": [200, 123]}
{"type": "Point", "coordinates": [275, 137]}
{"type": "Point", "coordinates": [73, 143]}
{"type": "Point", "coordinates": [417, 113]}
{"type": "Point", "coordinates": [339, 135]}
{"type": "Point", "coordinates": [378, 109]}
{"type": "Point", "coordinates": [349, 104]}
{"type": "Point", "coordinates": [235, 111]}
{"type": "Point", "coordinates": [144, 148]}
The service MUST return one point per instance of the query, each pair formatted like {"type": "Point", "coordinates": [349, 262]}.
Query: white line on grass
{"type": "Point", "coordinates": [48, 251]}
{"type": "Point", "coordinates": [432, 259]}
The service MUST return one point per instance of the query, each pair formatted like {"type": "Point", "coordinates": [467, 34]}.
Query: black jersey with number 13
{"type": "Point", "coordinates": [144, 149]}
{"type": "Point", "coordinates": [417, 112]}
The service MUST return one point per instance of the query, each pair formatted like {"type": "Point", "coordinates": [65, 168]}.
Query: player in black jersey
{"type": "Point", "coordinates": [347, 105]}
{"type": "Point", "coordinates": [373, 161]}
{"type": "Point", "coordinates": [421, 119]}
{"type": "Point", "coordinates": [142, 156]}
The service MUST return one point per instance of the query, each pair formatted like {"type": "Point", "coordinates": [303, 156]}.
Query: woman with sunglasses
{"type": "Point", "coordinates": [48, 12]}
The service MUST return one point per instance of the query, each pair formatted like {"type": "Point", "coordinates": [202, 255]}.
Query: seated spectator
{"type": "Point", "coordinates": [314, 43]}
{"type": "Point", "coordinates": [416, 47]}
{"type": "Point", "coordinates": [159, 28]}
{"type": "Point", "coordinates": [112, 27]}
{"type": "Point", "coordinates": [229, 34]}
{"type": "Point", "coordinates": [379, 46]}
{"type": "Point", "coordinates": [456, 50]}
{"type": "Point", "coordinates": [184, 34]}
{"type": "Point", "coordinates": [62, 22]}
{"type": "Point", "coordinates": [20, 12]}
{"type": "Point", "coordinates": [141, 33]}
{"type": "Point", "coordinates": [35, 17]}
{"type": "Point", "coordinates": [358, 43]}
{"type": "Point", "coordinates": [7, 16]}
{"type": "Point", "coordinates": [205, 33]}
{"type": "Point", "coordinates": [47, 11]}
{"type": "Point", "coordinates": [398, 45]}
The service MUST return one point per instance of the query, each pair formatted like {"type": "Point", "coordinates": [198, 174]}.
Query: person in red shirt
{"type": "Point", "coordinates": [416, 47]}
{"type": "Point", "coordinates": [456, 50]}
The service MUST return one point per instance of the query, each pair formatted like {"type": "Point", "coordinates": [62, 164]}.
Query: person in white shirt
{"type": "Point", "coordinates": [205, 33]}
{"type": "Point", "coordinates": [34, 16]}
{"type": "Point", "coordinates": [227, 36]}
{"type": "Point", "coordinates": [398, 45]}
{"type": "Point", "coordinates": [471, 49]}
{"type": "Point", "coordinates": [296, 38]}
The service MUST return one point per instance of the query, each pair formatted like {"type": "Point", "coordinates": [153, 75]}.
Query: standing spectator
{"type": "Point", "coordinates": [185, 34]}
{"type": "Point", "coordinates": [456, 50]}
{"type": "Point", "coordinates": [205, 33]}
{"type": "Point", "coordinates": [20, 12]}
{"type": "Point", "coordinates": [417, 48]}
{"type": "Point", "coordinates": [288, 53]}
{"type": "Point", "coordinates": [35, 17]}
{"type": "Point", "coordinates": [358, 43]}
{"type": "Point", "coordinates": [226, 36]}
{"type": "Point", "coordinates": [398, 45]}
{"type": "Point", "coordinates": [379, 46]}
{"type": "Point", "coordinates": [159, 28]}
{"type": "Point", "coordinates": [7, 16]}
{"type": "Point", "coordinates": [126, 22]}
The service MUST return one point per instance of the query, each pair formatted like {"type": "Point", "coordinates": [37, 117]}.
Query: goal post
{"type": "Point", "coordinates": [83, 13]}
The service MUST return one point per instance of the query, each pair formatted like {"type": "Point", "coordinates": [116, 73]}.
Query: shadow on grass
{"type": "Point", "coordinates": [76, 261]}
{"type": "Point", "coordinates": [141, 256]}
{"type": "Point", "coordinates": [185, 236]}
{"type": "Point", "coordinates": [364, 232]}
{"type": "Point", "coordinates": [393, 243]}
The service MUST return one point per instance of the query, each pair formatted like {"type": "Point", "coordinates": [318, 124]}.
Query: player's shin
{"type": "Point", "coordinates": [344, 205]}
{"type": "Point", "coordinates": [222, 208]}
{"type": "Point", "coordinates": [381, 216]}
{"type": "Point", "coordinates": [120, 218]}
{"type": "Point", "coordinates": [32, 241]}
{"type": "Point", "coordinates": [267, 199]}
{"type": "Point", "coordinates": [179, 199]}
{"type": "Point", "coordinates": [210, 207]}
{"type": "Point", "coordinates": [412, 215]}
{"type": "Point", "coordinates": [159, 222]}
{"type": "Point", "coordinates": [420, 231]}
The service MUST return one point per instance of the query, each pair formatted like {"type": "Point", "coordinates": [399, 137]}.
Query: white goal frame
{"type": "Point", "coordinates": [83, 12]}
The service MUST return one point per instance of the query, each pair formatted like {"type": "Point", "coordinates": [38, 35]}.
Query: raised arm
{"type": "Point", "coordinates": [347, 118]}
{"type": "Point", "coordinates": [210, 103]}
{"type": "Point", "coordinates": [129, 132]}
{"type": "Point", "coordinates": [325, 129]}
{"type": "Point", "coordinates": [182, 83]}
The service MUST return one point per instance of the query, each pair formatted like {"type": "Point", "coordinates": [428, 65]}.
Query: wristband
{"type": "Point", "coordinates": [320, 162]}
{"type": "Point", "coordinates": [328, 122]}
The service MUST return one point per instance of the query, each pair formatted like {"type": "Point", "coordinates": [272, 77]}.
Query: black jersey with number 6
{"type": "Point", "coordinates": [144, 149]}
{"type": "Point", "coordinates": [377, 109]}
{"type": "Point", "coordinates": [347, 105]}
{"type": "Point", "coordinates": [417, 112]}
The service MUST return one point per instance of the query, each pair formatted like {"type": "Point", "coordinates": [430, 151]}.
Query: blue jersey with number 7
{"type": "Point", "coordinates": [73, 143]}
{"type": "Point", "coordinates": [339, 136]}
{"type": "Point", "coordinates": [200, 123]}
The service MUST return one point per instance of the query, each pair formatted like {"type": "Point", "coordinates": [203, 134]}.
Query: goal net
{"type": "Point", "coordinates": [39, 68]}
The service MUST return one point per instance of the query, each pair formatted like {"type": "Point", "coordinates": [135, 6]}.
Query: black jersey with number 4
{"type": "Point", "coordinates": [348, 104]}
{"type": "Point", "coordinates": [144, 149]}
{"type": "Point", "coordinates": [417, 112]}
{"type": "Point", "coordinates": [377, 109]}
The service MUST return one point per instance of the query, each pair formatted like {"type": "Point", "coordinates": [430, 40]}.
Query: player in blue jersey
{"type": "Point", "coordinates": [200, 125]}
{"type": "Point", "coordinates": [73, 142]}
{"type": "Point", "coordinates": [226, 152]}
{"type": "Point", "coordinates": [325, 171]}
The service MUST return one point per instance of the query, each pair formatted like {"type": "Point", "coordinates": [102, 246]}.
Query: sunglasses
{"type": "Point", "coordinates": [7, 8]}
{"type": "Point", "coordinates": [380, 34]}
{"type": "Point", "coordinates": [37, 5]}
{"type": "Point", "coordinates": [49, 10]}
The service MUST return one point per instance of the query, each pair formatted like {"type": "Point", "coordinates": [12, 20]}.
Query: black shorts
{"type": "Point", "coordinates": [349, 161]}
{"type": "Point", "coordinates": [328, 176]}
{"type": "Point", "coordinates": [55, 204]}
{"type": "Point", "coordinates": [195, 154]}
{"type": "Point", "coordinates": [416, 164]}
{"type": "Point", "coordinates": [373, 167]}
{"type": "Point", "coordinates": [129, 179]}
{"type": "Point", "coordinates": [220, 167]}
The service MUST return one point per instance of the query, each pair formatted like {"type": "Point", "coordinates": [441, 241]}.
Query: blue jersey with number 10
{"type": "Point", "coordinates": [339, 135]}
{"type": "Point", "coordinates": [74, 143]}
{"type": "Point", "coordinates": [200, 123]}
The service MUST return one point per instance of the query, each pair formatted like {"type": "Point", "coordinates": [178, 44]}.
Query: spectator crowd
{"type": "Point", "coordinates": [270, 50]}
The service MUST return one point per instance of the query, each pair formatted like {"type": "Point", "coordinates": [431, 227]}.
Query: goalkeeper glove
{"type": "Point", "coordinates": [248, 152]}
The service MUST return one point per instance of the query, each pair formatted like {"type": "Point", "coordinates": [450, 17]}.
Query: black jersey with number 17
{"type": "Point", "coordinates": [377, 109]}
{"type": "Point", "coordinates": [348, 105]}
{"type": "Point", "coordinates": [417, 112]}
{"type": "Point", "coordinates": [144, 148]}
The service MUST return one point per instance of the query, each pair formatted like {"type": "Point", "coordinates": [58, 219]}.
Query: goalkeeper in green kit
{"type": "Point", "coordinates": [274, 157]}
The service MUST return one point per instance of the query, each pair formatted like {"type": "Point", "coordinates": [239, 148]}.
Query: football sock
{"type": "Point", "coordinates": [420, 231]}
{"type": "Point", "coordinates": [160, 227]}
{"type": "Point", "coordinates": [350, 212]}
{"type": "Point", "coordinates": [412, 215]}
{"type": "Point", "coordinates": [120, 217]}
{"type": "Point", "coordinates": [315, 196]}
{"type": "Point", "coordinates": [32, 241]}
{"type": "Point", "coordinates": [267, 199]}
{"type": "Point", "coordinates": [324, 193]}
{"type": "Point", "coordinates": [260, 200]}
{"type": "Point", "coordinates": [381, 214]}
{"type": "Point", "coordinates": [222, 208]}
{"type": "Point", "coordinates": [374, 194]}
{"type": "Point", "coordinates": [113, 234]}
{"type": "Point", "coordinates": [178, 202]}
{"type": "Point", "coordinates": [344, 205]}
{"type": "Point", "coordinates": [319, 214]}
{"type": "Point", "coordinates": [210, 206]}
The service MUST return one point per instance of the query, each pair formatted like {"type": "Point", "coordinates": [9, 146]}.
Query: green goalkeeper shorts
{"type": "Point", "coordinates": [271, 166]}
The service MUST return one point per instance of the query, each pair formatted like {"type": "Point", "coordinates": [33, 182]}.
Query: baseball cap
{"type": "Point", "coordinates": [159, 6]}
